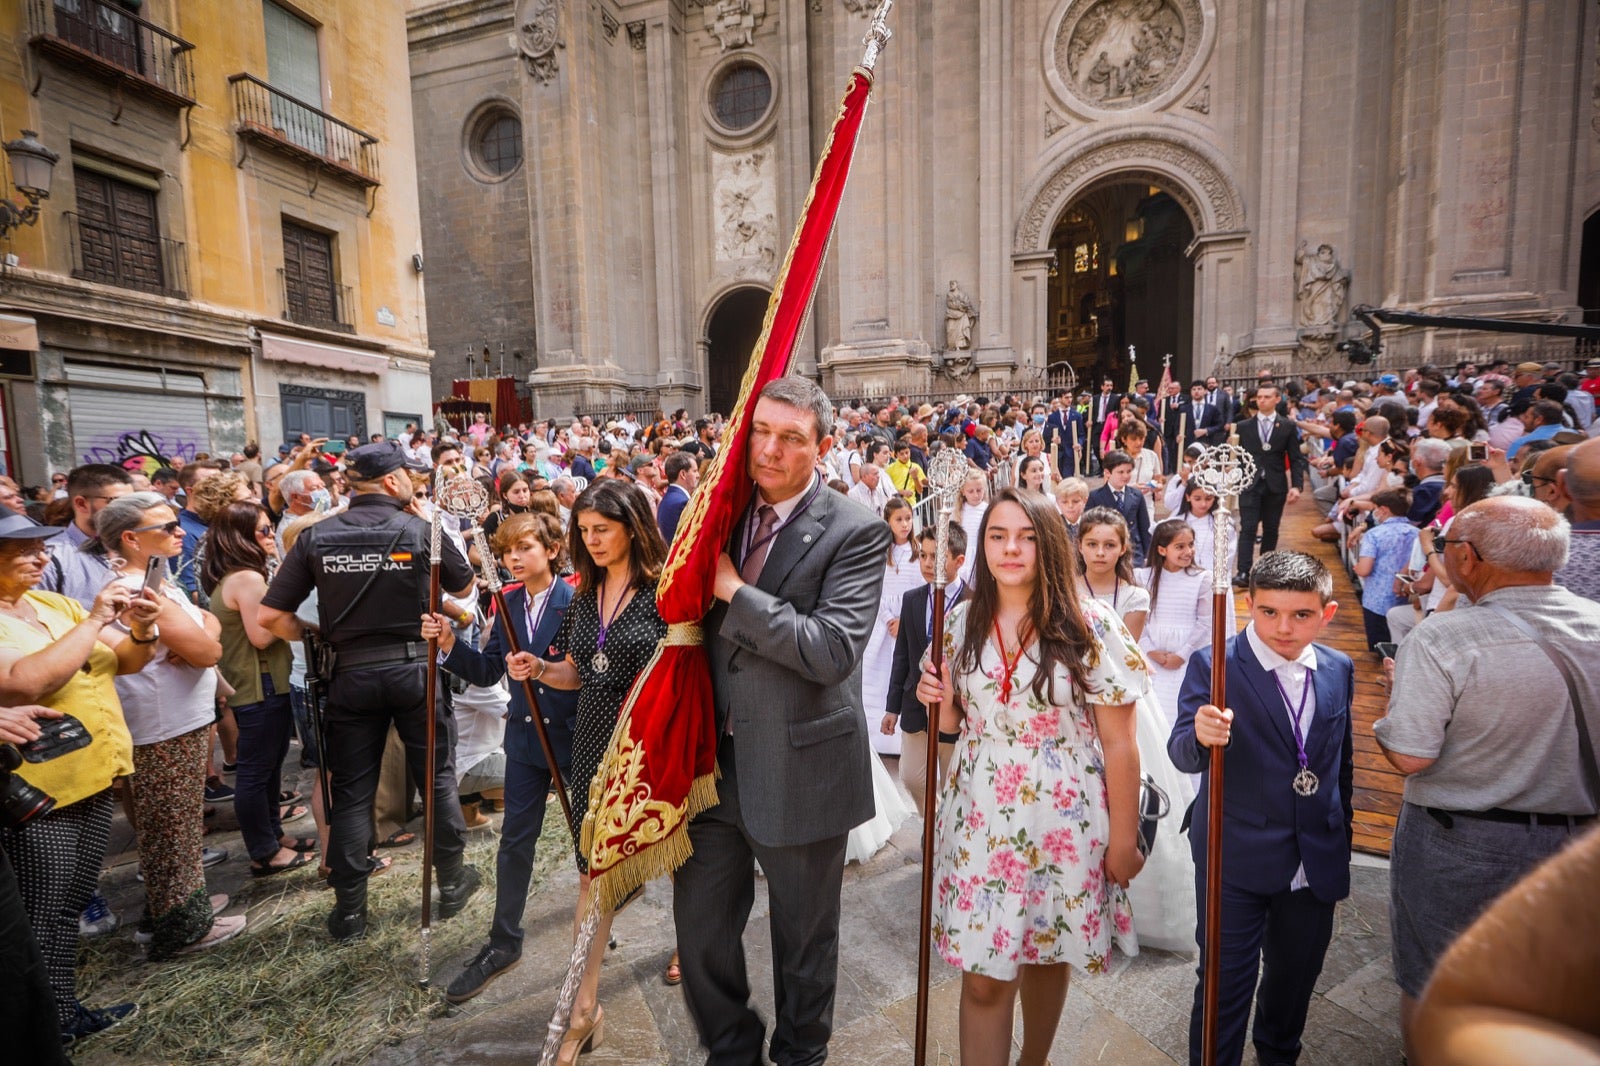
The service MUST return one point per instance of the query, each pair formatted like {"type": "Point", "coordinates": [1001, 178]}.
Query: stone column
{"type": "Point", "coordinates": [1030, 286]}
{"type": "Point", "coordinates": [1282, 35]}
{"type": "Point", "coordinates": [677, 374]}
{"type": "Point", "coordinates": [995, 356]}
{"type": "Point", "coordinates": [1221, 270]}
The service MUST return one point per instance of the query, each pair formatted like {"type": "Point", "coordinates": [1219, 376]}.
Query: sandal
{"type": "Point", "coordinates": [398, 839]}
{"type": "Point", "coordinates": [288, 796]}
{"type": "Point", "coordinates": [293, 813]}
{"type": "Point", "coordinates": [267, 870]}
{"type": "Point", "coordinates": [674, 972]}
{"type": "Point", "coordinates": [301, 844]}
{"type": "Point", "coordinates": [383, 863]}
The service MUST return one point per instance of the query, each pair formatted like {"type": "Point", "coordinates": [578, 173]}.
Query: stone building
{"type": "Point", "coordinates": [609, 185]}
{"type": "Point", "coordinates": [226, 253]}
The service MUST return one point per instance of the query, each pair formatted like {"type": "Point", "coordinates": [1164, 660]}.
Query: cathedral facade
{"type": "Point", "coordinates": [608, 187]}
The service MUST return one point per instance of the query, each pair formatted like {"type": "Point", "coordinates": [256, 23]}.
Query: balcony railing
{"type": "Point", "coordinates": [128, 260]}
{"type": "Point", "coordinates": [110, 41]}
{"type": "Point", "coordinates": [321, 306]}
{"type": "Point", "coordinates": [281, 122]}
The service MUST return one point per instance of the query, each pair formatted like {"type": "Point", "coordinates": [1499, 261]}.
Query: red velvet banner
{"type": "Point", "coordinates": [660, 769]}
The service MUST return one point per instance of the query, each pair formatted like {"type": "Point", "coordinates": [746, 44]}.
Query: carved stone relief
{"type": "Point", "coordinates": [539, 37]}
{"type": "Point", "coordinates": [744, 211]}
{"type": "Point", "coordinates": [733, 22]}
{"type": "Point", "coordinates": [960, 315]}
{"type": "Point", "coordinates": [1201, 101]}
{"type": "Point", "coordinates": [1121, 54]}
{"type": "Point", "coordinates": [860, 7]}
{"type": "Point", "coordinates": [1053, 123]}
{"type": "Point", "coordinates": [1321, 291]}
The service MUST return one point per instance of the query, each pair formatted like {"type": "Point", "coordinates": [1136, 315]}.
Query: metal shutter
{"type": "Point", "coordinates": [113, 425]}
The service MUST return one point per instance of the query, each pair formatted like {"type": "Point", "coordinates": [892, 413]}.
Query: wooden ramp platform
{"type": "Point", "coordinates": [1378, 785]}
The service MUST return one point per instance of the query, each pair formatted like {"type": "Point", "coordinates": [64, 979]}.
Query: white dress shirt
{"type": "Point", "coordinates": [1294, 675]}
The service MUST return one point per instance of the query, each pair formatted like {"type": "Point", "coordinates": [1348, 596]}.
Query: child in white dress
{"type": "Point", "coordinates": [1163, 895]}
{"type": "Point", "coordinates": [1037, 824]}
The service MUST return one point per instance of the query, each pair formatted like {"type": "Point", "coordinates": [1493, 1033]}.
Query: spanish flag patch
{"type": "Point", "coordinates": [400, 557]}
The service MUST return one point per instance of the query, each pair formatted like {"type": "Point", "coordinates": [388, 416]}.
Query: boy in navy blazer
{"type": "Point", "coordinates": [529, 544]}
{"type": "Point", "coordinates": [1127, 501]}
{"type": "Point", "coordinates": [1286, 803]}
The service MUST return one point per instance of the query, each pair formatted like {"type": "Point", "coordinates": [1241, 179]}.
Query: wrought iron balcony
{"type": "Point", "coordinates": [127, 259]}
{"type": "Point", "coordinates": [307, 303]}
{"type": "Point", "coordinates": [278, 121]}
{"type": "Point", "coordinates": [110, 42]}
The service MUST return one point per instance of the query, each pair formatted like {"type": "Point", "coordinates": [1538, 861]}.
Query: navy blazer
{"type": "Point", "coordinates": [909, 648]}
{"type": "Point", "coordinates": [1210, 418]}
{"type": "Point", "coordinates": [670, 512]}
{"type": "Point", "coordinates": [1269, 830]}
{"type": "Point", "coordinates": [1070, 427]}
{"type": "Point", "coordinates": [558, 707]}
{"type": "Point", "coordinates": [1134, 509]}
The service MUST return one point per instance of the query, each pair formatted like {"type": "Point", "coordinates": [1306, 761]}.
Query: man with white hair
{"type": "Point", "coordinates": [582, 459]}
{"type": "Point", "coordinates": [872, 489]}
{"type": "Point", "coordinates": [566, 491]}
{"type": "Point", "coordinates": [1484, 721]}
{"type": "Point", "coordinates": [1428, 456]}
{"type": "Point", "coordinates": [302, 491]}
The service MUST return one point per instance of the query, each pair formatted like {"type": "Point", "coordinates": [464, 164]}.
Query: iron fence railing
{"type": "Point", "coordinates": [116, 40]}
{"type": "Point", "coordinates": [275, 118]}
{"type": "Point", "coordinates": [307, 304]}
{"type": "Point", "coordinates": [127, 259]}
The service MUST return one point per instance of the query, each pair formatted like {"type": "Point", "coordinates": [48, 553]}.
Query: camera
{"type": "Point", "coordinates": [20, 802]}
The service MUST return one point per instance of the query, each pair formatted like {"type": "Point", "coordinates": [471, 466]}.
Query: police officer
{"type": "Point", "coordinates": [369, 565]}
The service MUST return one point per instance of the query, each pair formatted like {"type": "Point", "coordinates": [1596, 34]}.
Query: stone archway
{"type": "Point", "coordinates": [732, 328]}
{"type": "Point", "coordinates": [1191, 172]}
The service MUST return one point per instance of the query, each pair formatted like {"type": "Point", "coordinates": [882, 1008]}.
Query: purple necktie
{"type": "Point", "coordinates": [750, 570]}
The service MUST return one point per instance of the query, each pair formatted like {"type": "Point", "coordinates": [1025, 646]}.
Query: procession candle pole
{"type": "Point", "coordinates": [1225, 470]}
{"type": "Point", "coordinates": [464, 497]}
{"type": "Point", "coordinates": [435, 532]}
{"type": "Point", "coordinates": [947, 472]}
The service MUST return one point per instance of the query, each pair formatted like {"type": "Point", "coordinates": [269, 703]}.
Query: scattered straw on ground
{"type": "Point", "coordinates": [282, 992]}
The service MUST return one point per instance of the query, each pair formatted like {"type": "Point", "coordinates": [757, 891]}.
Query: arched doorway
{"type": "Point", "coordinates": [1589, 270]}
{"type": "Point", "coordinates": [1122, 278]}
{"type": "Point", "coordinates": [731, 335]}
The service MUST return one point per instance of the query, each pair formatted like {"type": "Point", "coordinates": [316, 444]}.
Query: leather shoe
{"type": "Point", "coordinates": [490, 963]}
{"type": "Point", "coordinates": [453, 894]}
{"type": "Point", "coordinates": [1241, 581]}
{"type": "Point", "coordinates": [345, 926]}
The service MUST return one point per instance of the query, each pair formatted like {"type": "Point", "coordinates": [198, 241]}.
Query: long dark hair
{"type": "Point", "coordinates": [1105, 516]}
{"type": "Point", "coordinates": [231, 544]}
{"type": "Point", "coordinates": [1054, 615]}
{"type": "Point", "coordinates": [1164, 534]}
{"type": "Point", "coordinates": [1186, 508]}
{"type": "Point", "coordinates": [624, 503]}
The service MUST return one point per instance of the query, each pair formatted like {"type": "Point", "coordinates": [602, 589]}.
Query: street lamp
{"type": "Point", "coordinates": [31, 166]}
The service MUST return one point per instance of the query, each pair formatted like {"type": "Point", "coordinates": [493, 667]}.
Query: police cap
{"type": "Point", "coordinates": [372, 461]}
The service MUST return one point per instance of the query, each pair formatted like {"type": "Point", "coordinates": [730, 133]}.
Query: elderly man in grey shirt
{"type": "Point", "coordinates": [1499, 767]}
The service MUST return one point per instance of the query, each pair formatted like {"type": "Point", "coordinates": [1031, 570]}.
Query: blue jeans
{"type": "Point", "coordinates": [264, 730]}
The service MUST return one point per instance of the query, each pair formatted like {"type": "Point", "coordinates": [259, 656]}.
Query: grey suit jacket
{"type": "Point", "coordinates": [786, 664]}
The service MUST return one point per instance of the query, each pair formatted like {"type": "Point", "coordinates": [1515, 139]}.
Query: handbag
{"type": "Point", "coordinates": [1154, 805]}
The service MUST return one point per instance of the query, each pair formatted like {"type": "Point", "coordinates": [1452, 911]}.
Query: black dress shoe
{"type": "Point", "coordinates": [453, 894]}
{"type": "Point", "coordinates": [1241, 581]}
{"type": "Point", "coordinates": [490, 963]}
{"type": "Point", "coordinates": [345, 926]}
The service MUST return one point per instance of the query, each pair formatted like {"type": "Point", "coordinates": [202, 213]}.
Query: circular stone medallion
{"type": "Point", "coordinates": [1115, 55]}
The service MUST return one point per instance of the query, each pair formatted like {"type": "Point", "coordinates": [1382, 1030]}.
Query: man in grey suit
{"type": "Point", "coordinates": [797, 593]}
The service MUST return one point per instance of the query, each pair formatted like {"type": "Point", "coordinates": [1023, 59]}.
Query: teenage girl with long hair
{"type": "Point", "coordinates": [1037, 823]}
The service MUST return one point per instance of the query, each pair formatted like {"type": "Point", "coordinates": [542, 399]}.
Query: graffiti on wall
{"type": "Point", "coordinates": [143, 452]}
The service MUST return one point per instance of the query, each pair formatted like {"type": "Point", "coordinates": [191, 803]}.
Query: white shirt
{"type": "Point", "coordinates": [167, 699]}
{"type": "Point", "coordinates": [784, 508]}
{"type": "Point", "coordinates": [1294, 675]}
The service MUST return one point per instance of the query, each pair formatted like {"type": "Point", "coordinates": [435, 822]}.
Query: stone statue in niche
{"type": "Point", "coordinates": [1321, 286]}
{"type": "Point", "coordinates": [959, 317]}
{"type": "Point", "coordinates": [1122, 52]}
{"type": "Point", "coordinates": [733, 22]}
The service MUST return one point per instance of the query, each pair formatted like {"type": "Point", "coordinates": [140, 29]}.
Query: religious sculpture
{"type": "Point", "coordinates": [744, 198]}
{"type": "Point", "coordinates": [539, 36]}
{"type": "Point", "coordinates": [1321, 288]}
{"type": "Point", "coordinates": [959, 317]}
{"type": "Point", "coordinates": [1121, 52]}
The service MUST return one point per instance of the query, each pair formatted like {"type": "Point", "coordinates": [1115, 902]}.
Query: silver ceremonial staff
{"type": "Point", "coordinates": [1224, 470]}
{"type": "Point", "coordinates": [434, 534]}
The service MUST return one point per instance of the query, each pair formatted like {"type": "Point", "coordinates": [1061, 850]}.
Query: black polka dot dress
{"type": "Point", "coordinates": [631, 640]}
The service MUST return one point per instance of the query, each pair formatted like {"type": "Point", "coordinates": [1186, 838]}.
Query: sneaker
{"type": "Point", "coordinates": [97, 918]}
{"type": "Point", "coordinates": [218, 791]}
{"type": "Point", "coordinates": [211, 856]}
{"type": "Point", "coordinates": [89, 1022]}
{"type": "Point", "coordinates": [147, 930]}
{"type": "Point", "coordinates": [490, 963]}
{"type": "Point", "coordinates": [454, 895]}
{"type": "Point", "coordinates": [222, 931]}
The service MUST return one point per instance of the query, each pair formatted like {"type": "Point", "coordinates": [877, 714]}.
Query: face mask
{"type": "Point", "coordinates": [321, 500]}
{"type": "Point", "coordinates": [1038, 420]}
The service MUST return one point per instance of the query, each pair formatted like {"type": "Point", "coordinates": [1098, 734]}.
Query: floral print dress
{"type": "Point", "coordinates": [1023, 822]}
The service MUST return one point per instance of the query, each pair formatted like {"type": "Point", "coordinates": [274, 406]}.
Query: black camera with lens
{"type": "Point", "coordinates": [21, 802]}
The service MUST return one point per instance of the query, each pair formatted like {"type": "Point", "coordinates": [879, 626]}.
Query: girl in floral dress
{"type": "Point", "coordinates": [1036, 827]}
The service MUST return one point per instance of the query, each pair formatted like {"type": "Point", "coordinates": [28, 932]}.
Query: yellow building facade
{"type": "Point", "coordinates": [230, 250]}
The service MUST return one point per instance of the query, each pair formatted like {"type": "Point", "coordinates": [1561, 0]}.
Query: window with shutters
{"type": "Point", "coordinates": [312, 295]}
{"type": "Point", "coordinates": [118, 233]}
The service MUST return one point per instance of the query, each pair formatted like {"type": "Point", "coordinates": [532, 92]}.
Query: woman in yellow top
{"type": "Point", "coordinates": [54, 653]}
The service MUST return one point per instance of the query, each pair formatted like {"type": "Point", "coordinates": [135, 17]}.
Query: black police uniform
{"type": "Point", "coordinates": [369, 566]}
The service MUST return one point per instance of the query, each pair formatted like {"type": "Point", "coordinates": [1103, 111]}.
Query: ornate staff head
{"type": "Point", "coordinates": [463, 497]}
{"type": "Point", "coordinates": [1224, 470]}
{"type": "Point", "coordinates": [947, 472]}
{"type": "Point", "coordinates": [878, 34]}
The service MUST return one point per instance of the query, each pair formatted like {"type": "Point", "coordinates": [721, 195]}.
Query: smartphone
{"type": "Point", "coordinates": [1385, 649]}
{"type": "Point", "coordinates": [1478, 451]}
{"type": "Point", "coordinates": [154, 572]}
{"type": "Point", "coordinates": [1405, 579]}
